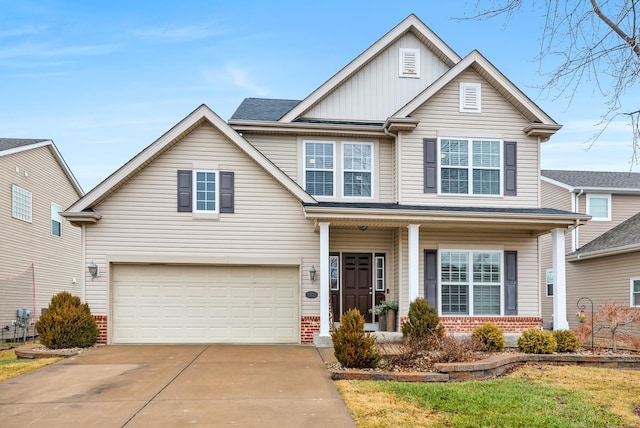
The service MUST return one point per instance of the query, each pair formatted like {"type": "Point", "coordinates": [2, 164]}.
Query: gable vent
{"type": "Point", "coordinates": [470, 97]}
{"type": "Point", "coordinates": [409, 62]}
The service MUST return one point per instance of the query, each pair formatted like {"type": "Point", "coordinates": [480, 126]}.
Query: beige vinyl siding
{"type": "Point", "coordinates": [142, 217]}
{"type": "Point", "coordinates": [386, 172]}
{"type": "Point", "coordinates": [376, 91]}
{"type": "Point", "coordinates": [622, 208]}
{"type": "Point", "coordinates": [281, 150]}
{"type": "Point", "coordinates": [56, 260]}
{"type": "Point", "coordinates": [440, 117]}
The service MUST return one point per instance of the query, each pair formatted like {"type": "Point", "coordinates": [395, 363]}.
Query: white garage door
{"type": "Point", "coordinates": [204, 304]}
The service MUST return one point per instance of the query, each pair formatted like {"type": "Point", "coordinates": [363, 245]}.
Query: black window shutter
{"type": "Point", "coordinates": [430, 160]}
{"type": "Point", "coordinates": [226, 192]}
{"type": "Point", "coordinates": [510, 168]}
{"type": "Point", "coordinates": [184, 190]}
{"type": "Point", "coordinates": [431, 277]}
{"type": "Point", "coordinates": [511, 283]}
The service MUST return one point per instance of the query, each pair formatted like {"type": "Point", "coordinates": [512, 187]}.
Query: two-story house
{"type": "Point", "coordinates": [40, 252]}
{"type": "Point", "coordinates": [412, 172]}
{"type": "Point", "coordinates": [604, 254]}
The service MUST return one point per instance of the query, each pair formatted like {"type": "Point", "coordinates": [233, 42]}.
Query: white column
{"type": "Point", "coordinates": [559, 281]}
{"type": "Point", "coordinates": [412, 258]}
{"type": "Point", "coordinates": [324, 279]}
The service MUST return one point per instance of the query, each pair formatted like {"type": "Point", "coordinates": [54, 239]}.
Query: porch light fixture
{"type": "Point", "coordinates": [94, 271]}
{"type": "Point", "coordinates": [312, 274]}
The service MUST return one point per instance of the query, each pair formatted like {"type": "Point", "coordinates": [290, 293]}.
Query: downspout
{"type": "Point", "coordinates": [397, 165]}
{"type": "Point", "coordinates": [575, 234]}
{"type": "Point", "coordinates": [83, 260]}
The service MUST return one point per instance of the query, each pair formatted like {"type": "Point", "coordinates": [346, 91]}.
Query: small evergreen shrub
{"type": "Point", "coordinates": [489, 337]}
{"type": "Point", "coordinates": [566, 341]}
{"type": "Point", "coordinates": [423, 322]}
{"type": "Point", "coordinates": [535, 341]}
{"type": "Point", "coordinates": [352, 346]}
{"type": "Point", "coordinates": [67, 323]}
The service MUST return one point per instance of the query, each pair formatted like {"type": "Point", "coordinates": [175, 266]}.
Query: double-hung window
{"type": "Point", "coordinates": [470, 166]}
{"type": "Point", "coordinates": [635, 292]}
{"type": "Point", "coordinates": [471, 282]}
{"type": "Point", "coordinates": [205, 195]}
{"type": "Point", "coordinates": [357, 161]}
{"type": "Point", "coordinates": [319, 167]}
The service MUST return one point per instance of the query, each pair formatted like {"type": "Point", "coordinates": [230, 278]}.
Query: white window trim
{"type": "Point", "coordinates": [304, 167]}
{"type": "Point", "coordinates": [470, 273]}
{"type": "Point", "coordinates": [470, 166]}
{"type": "Point", "coordinates": [464, 87]}
{"type": "Point", "coordinates": [599, 196]}
{"type": "Point", "coordinates": [343, 169]}
{"type": "Point", "coordinates": [195, 195]}
{"type": "Point", "coordinates": [546, 282]}
{"type": "Point", "coordinates": [384, 273]}
{"type": "Point", "coordinates": [55, 216]}
{"type": "Point", "coordinates": [15, 188]}
{"type": "Point", "coordinates": [402, 71]}
{"type": "Point", "coordinates": [631, 292]}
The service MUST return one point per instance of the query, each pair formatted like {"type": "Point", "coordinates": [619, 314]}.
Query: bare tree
{"type": "Point", "coordinates": [593, 41]}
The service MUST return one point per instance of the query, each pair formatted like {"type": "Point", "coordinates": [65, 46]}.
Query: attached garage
{"type": "Point", "coordinates": [167, 303]}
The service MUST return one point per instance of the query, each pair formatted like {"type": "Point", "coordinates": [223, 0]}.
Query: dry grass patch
{"type": "Point", "coordinates": [11, 367]}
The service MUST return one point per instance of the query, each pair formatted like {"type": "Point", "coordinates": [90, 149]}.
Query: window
{"type": "Point", "coordinates": [380, 273]}
{"type": "Point", "coordinates": [599, 207]}
{"type": "Point", "coordinates": [470, 97]}
{"type": "Point", "coordinates": [549, 281]}
{"type": "Point", "coordinates": [205, 191]}
{"type": "Point", "coordinates": [21, 201]}
{"type": "Point", "coordinates": [470, 166]}
{"type": "Point", "coordinates": [635, 292]}
{"type": "Point", "coordinates": [409, 62]}
{"type": "Point", "coordinates": [471, 289]}
{"type": "Point", "coordinates": [357, 159]}
{"type": "Point", "coordinates": [319, 167]}
{"type": "Point", "coordinates": [334, 269]}
{"type": "Point", "coordinates": [56, 220]}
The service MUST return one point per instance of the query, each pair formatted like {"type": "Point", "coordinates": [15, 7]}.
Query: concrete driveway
{"type": "Point", "coordinates": [181, 385]}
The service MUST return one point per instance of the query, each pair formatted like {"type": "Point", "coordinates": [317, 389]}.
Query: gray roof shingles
{"type": "Point", "coordinates": [595, 179]}
{"type": "Point", "coordinates": [12, 143]}
{"type": "Point", "coordinates": [625, 234]}
{"type": "Point", "coordinates": [264, 109]}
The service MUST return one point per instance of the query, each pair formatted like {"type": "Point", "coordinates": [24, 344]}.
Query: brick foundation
{"type": "Point", "coordinates": [101, 320]}
{"type": "Point", "coordinates": [309, 326]}
{"type": "Point", "coordinates": [507, 324]}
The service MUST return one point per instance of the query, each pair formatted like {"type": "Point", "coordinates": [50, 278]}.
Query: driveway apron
{"type": "Point", "coordinates": [178, 385]}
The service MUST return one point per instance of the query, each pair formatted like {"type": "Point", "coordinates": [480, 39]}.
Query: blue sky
{"type": "Point", "coordinates": [105, 79]}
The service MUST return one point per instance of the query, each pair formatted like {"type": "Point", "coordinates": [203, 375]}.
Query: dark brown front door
{"type": "Point", "coordinates": [357, 290]}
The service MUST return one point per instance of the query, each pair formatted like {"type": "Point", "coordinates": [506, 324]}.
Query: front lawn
{"type": "Point", "coordinates": [11, 367]}
{"type": "Point", "coordinates": [532, 396]}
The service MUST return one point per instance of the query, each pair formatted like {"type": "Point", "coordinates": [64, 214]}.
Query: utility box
{"type": "Point", "coordinates": [24, 313]}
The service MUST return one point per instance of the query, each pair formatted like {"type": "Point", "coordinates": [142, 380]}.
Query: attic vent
{"type": "Point", "coordinates": [409, 62]}
{"type": "Point", "coordinates": [470, 97]}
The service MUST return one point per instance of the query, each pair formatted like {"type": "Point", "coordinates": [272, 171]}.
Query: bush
{"type": "Point", "coordinates": [67, 323]}
{"type": "Point", "coordinates": [352, 346]}
{"type": "Point", "coordinates": [566, 341]}
{"type": "Point", "coordinates": [423, 322]}
{"type": "Point", "coordinates": [535, 341]}
{"type": "Point", "coordinates": [454, 350]}
{"type": "Point", "coordinates": [490, 337]}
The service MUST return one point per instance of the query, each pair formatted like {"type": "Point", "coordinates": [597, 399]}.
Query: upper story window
{"type": "Point", "coordinates": [635, 292]}
{"type": "Point", "coordinates": [319, 167]}
{"type": "Point", "coordinates": [409, 62]}
{"type": "Point", "coordinates": [21, 203]}
{"type": "Point", "coordinates": [205, 195]}
{"type": "Point", "coordinates": [470, 166]}
{"type": "Point", "coordinates": [56, 220]}
{"type": "Point", "coordinates": [599, 207]}
{"type": "Point", "coordinates": [357, 160]}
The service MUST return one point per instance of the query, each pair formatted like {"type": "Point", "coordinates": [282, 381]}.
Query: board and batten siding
{"type": "Point", "coordinates": [56, 260]}
{"type": "Point", "coordinates": [440, 117]}
{"type": "Point", "coordinates": [141, 217]}
{"type": "Point", "coordinates": [622, 208]}
{"type": "Point", "coordinates": [376, 91]}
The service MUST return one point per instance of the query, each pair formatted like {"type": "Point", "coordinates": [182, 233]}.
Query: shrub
{"type": "Point", "coordinates": [566, 341]}
{"type": "Point", "coordinates": [454, 350]}
{"type": "Point", "coordinates": [535, 341]}
{"type": "Point", "coordinates": [490, 337]}
{"type": "Point", "coordinates": [352, 346]}
{"type": "Point", "coordinates": [423, 322]}
{"type": "Point", "coordinates": [67, 323]}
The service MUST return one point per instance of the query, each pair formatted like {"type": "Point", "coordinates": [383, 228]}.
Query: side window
{"type": "Point", "coordinates": [599, 207]}
{"type": "Point", "coordinates": [21, 201]}
{"type": "Point", "coordinates": [334, 272]}
{"type": "Point", "coordinates": [635, 292]}
{"type": "Point", "coordinates": [549, 281]}
{"type": "Point", "coordinates": [56, 220]}
{"type": "Point", "coordinates": [380, 273]}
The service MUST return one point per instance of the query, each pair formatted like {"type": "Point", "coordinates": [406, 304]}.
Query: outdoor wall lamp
{"type": "Point", "coordinates": [312, 274]}
{"type": "Point", "coordinates": [94, 271]}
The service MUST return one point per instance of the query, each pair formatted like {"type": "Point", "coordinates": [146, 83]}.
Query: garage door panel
{"type": "Point", "coordinates": [205, 304]}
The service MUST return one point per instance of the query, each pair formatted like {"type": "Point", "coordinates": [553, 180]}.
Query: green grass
{"type": "Point", "coordinates": [11, 367]}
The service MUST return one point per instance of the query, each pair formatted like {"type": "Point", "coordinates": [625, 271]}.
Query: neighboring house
{"type": "Point", "coordinates": [412, 172]}
{"type": "Point", "coordinates": [40, 252]}
{"type": "Point", "coordinates": [603, 255]}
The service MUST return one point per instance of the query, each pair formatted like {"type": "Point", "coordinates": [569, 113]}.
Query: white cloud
{"type": "Point", "coordinates": [235, 76]}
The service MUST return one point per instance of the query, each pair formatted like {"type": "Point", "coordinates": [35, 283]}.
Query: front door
{"type": "Point", "coordinates": [357, 290]}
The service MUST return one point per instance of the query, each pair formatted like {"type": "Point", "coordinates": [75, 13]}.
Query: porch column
{"type": "Point", "coordinates": [559, 281]}
{"type": "Point", "coordinates": [324, 280]}
{"type": "Point", "coordinates": [412, 257]}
